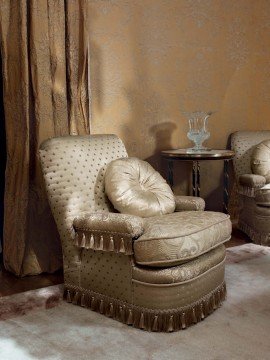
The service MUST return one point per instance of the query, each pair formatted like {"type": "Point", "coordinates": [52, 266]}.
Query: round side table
{"type": "Point", "coordinates": [196, 157]}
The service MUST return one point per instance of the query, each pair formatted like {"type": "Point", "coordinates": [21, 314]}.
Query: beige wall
{"type": "Point", "coordinates": [153, 59]}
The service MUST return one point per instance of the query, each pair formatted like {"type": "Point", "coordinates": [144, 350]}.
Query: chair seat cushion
{"type": "Point", "coordinates": [135, 188]}
{"type": "Point", "coordinates": [183, 272]}
{"type": "Point", "coordinates": [176, 238]}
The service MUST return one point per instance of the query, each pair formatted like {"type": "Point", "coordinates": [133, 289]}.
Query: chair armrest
{"type": "Point", "coordinates": [189, 203]}
{"type": "Point", "coordinates": [252, 180]}
{"type": "Point", "coordinates": [107, 231]}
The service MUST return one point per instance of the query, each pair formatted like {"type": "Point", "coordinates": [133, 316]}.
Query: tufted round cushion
{"type": "Point", "coordinates": [260, 160]}
{"type": "Point", "coordinates": [135, 188]}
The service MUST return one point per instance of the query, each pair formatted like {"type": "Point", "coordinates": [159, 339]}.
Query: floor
{"type": "Point", "coordinates": [10, 284]}
{"type": "Point", "coordinates": [239, 330]}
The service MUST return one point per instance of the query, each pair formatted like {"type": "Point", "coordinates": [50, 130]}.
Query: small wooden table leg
{"type": "Point", "coordinates": [198, 179]}
{"type": "Point", "coordinates": [170, 173]}
{"type": "Point", "coordinates": [185, 155]}
{"type": "Point", "coordinates": [225, 187]}
{"type": "Point", "coordinates": [194, 178]}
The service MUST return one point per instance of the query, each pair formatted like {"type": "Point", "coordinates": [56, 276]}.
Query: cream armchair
{"type": "Point", "coordinates": [254, 219]}
{"type": "Point", "coordinates": [159, 274]}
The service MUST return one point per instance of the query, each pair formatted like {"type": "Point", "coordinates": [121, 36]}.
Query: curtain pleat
{"type": "Point", "coordinates": [76, 25]}
{"type": "Point", "coordinates": [45, 95]}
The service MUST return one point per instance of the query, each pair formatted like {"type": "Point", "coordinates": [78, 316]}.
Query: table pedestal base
{"type": "Point", "coordinates": [196, 180]}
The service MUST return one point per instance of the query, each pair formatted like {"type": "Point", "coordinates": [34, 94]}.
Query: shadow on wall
{"type": "Point", "coordinates": [151, 127]}
{"type": "Point", "coordinates": [214, 199]}
{"type": "Point", "coordinates": [150, 119]}
{"type": "Point", "coordinates": [162, 135]}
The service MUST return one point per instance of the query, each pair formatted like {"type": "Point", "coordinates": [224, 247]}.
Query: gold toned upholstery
{"type": "Point", "coordinates": [260, 160]}
{"type": "Point", "coordinates": [254, 219]}
{"type": "Point", "coordinates": [180, 294]}
{"type": "Point", "coordinates": [187, 203]}
{"type": "Point", "coordinates": [262, 196]}
{"type": "Point", "coordinates": [179, 237]}
{"type": "Point", "coordinates": [134, 187]}
{"type": "Point", "coordinates": [110, 222]}
{"type": "Point", "coordinates": [252, 181]}
{"type": "Point", "coordinates": [101, 247]}
{"type": "Point", "coordinates": [107, 231]}
{"type": "Point", "coordinates": [180, 273]}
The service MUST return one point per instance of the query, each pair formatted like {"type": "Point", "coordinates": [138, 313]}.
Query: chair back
{"type": "Point", "coordinates": [243, 143]}
{"type": "Point", "coordinates": [73, 169]}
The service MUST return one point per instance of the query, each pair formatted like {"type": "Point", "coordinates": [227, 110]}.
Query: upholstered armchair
{"type": "Point", "coordinates": [254, 211]}
{"type": "Point", "coordinates": [160, 273]}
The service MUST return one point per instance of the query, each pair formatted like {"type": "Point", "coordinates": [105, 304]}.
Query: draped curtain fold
{"type": "Point", "coordinates": [44, 49]}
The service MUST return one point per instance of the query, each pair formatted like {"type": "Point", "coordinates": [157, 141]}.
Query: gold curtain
{"type": "Point", "coordinates": [45, 63]}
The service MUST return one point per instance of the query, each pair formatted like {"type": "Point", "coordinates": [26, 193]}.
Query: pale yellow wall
{"type": "Point", "coordinates": [153, 59]}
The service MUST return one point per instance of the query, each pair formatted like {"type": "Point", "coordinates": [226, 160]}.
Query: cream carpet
{"type": "Point", "coordinates": [240, 329]}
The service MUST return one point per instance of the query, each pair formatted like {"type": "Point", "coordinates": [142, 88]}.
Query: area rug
{"type": "Point", "coordinates": [22, 303]}
{"type": "Point", "coordinates": [240, 329]}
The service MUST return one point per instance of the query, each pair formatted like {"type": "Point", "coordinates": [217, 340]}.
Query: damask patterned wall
{"type": "Point", "coordinates": [153, 59]}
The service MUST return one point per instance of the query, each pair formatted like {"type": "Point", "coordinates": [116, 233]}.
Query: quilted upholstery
{"type": "Point", "coordinates": [242, 143]}
{"type": "Point", "coordinates": [135, 187]}
{"type": "Point", "coordinates": [252, 180]}
{"type": "Point", "coordinates": [102, 277]}
{"type": "Point", "coordinates": [262, 196]}
{"type": "Point", "coordinates": [260, 160]}
{"type": "Point", "coordinates": [189, 203]}
{"type": "Point", "coordinates": [176, 238]}
{"type": "Point", "coordinates": [110, 222]}
{"type": "Point", "coordinates": [180, 273]}
{"type": "Point", "coordinates": [254, 218]}
{"type": "Point", "coordinates": [106, 231]}
{"type": "Point", "coordinates": [163, 296]}
{"type": "Point", "coordinates": [73, 168]}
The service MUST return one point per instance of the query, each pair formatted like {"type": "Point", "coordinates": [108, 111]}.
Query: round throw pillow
{"type": "Point", "coordinates": [260, 160]}
{"type": "Point", "coordinates": [135, 188]}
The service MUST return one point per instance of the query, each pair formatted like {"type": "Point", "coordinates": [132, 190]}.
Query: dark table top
{"type": "Point", "coordinates": [188, 154]}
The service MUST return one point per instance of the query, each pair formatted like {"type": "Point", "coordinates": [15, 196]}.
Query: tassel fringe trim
{"type": "Point", "coordinates": [111, 242]}
{"type": "Point", "coordinates": [248, 191]}
{"type": "Point", "coordinates": [260, 239]}
{"type": "Point", "coordinates": [147, 319]}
